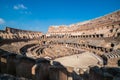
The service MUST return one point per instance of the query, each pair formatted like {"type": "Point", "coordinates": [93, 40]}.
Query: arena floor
{"type": "Point", "coordinates": [82, 60]}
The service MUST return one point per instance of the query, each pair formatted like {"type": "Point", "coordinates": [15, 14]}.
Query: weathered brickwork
{"type": "Point", "coordinates": [32, 55]}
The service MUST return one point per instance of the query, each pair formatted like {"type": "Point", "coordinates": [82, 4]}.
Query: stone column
{"type": "Point", "coordinates": [3, 61]}
{"type": "Point", "coordinates": [11, 64]}
{"type": "Point", "coordinates": [40, 70]}
{"type": "Point", "coordinates": [24, 66]}
{"type": "Point", "coordinates": [58, 73]}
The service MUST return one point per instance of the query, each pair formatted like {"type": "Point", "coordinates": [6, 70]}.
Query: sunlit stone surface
{"type": "Point", "coordinates": [87, 50]}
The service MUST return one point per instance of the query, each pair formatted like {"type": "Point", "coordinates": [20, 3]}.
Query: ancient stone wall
{"type": "Point", "coordinates": [11, 33]}
{"type": "Point", "coordinates": [97, 73]}
{"type": "Point", "coordinates": [101, 25]}
{"type": "Point", "coordinates": [100, 36]}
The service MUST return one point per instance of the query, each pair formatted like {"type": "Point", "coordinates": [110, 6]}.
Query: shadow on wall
{"type": "Point", "coordinates": [42, 69]}
{"type": "Point", "coordinates": [39, 69]}
{"type": "Point", "coordinates": [21, 66]}
{"type": "Point", "coordinates": [118, 62]}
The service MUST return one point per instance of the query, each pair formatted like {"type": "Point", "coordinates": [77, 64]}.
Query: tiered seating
{"type": "Point", "coordinates": [11, 33]}
{"type": "Point", "coordinates": [100, 36]}
{"type": "Point", "coordinates": [112, 58]}
{"type": "Point", "coordinates": [23, 50]}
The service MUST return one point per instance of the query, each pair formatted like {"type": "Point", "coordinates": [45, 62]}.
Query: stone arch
{"type": "Point", "coordinates": [101, 35]}
{"type": "Point", "coordinates": [118, 34]}
{"type": "Point", "coordinates": [107, 27]}
{"type": "Point", "coordinates": [118, 62]}
{"type": "Point", "coordinates": [110, 49]}
{"type": "Point", "coordinates": [79, 36]}
{"type": "Point", "coordinates": [89, 36]}
{"type": "Point", "coordinates": [83, 36]}
{"type": "Point", "coordinates": [112, 26]}
{"type": "Point", "coordinates": [112, 44]}
{"type": "Point", "coordinates": [97, 35]}
{"type": "Point", "coordinates": [105, 60]}
{"type": "Point", "coordinates": [93, 36]}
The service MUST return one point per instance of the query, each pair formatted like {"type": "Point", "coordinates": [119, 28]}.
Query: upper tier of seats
{"type": "Point", "coordinates": [97, 23]}
{"type": "Point", "coordinates": [11, 33]}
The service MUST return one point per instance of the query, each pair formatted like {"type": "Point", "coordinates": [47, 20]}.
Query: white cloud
{"type": "Point", "coordinates": [2, 21]}
{"type": "Point", "coordinates": [19, 6]}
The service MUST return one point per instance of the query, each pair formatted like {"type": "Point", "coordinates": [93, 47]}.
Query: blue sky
{"type": "Point", "coordinates": [38, 15]}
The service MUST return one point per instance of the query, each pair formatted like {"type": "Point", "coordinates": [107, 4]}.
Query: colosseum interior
{"type": "Point", "coordinates": [88, 50]}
